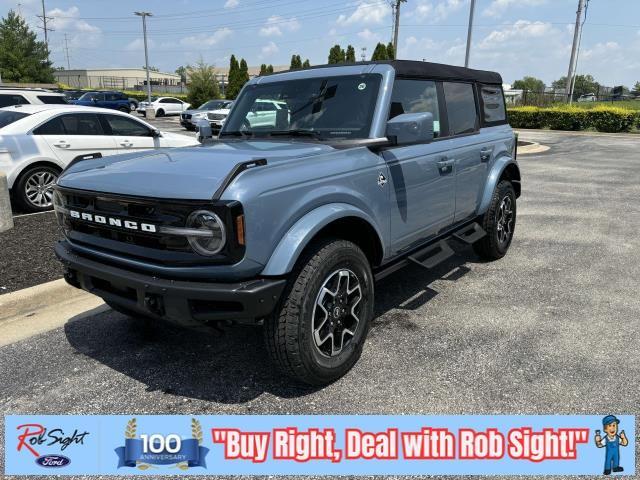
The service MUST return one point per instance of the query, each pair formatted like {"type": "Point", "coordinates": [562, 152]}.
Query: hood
{"type": "Point", "coordinates": [190, 173]}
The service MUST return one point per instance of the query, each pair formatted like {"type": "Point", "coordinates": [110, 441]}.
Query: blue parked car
{"type": "Point", "coordinates": [113, 100]}
{"type": "Point", "coordinates": [322, 181]}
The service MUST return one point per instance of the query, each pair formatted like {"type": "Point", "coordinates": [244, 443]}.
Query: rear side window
{"type": "Point", "coordinates": [6, 100]}
{"type": "Point", "coordinates": [52, 99]}
{"type": "Point", "coordinates": [72, 124]}
{"type": "Point", "coordinates": [8, 117]}
{"type": "Point", "coordinates": [493, 111]}
{"type": "Point", "coordinates": [416, 96]}
{"type": "Point", "coordinates": [461, 108]}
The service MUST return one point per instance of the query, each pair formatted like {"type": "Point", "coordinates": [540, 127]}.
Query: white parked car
{"type": "Point", "coordinates": [587, 97]}
{"type": "Point", "coordinates": [190, 118]}
{"type": "Point", "coordinates": [38, 141]}
{"type": "Point", "coordinates": [164, 106]}
{"type": "Point", "coordinates": [30, 96]}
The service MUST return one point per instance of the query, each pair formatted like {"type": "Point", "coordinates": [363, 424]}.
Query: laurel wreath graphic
{"type": "Point", "coordinates": [130, 432]}
{"type": "Point", "coordinates": [196, 430]}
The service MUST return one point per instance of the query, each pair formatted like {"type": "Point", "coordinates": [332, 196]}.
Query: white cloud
{"type": "Point", "coordinates": [522, 29]}
{"type": "Point", "coordinates": [423, 10]}
{"type": "Point", "coordinates": [369, 36]}
{"type": "Point", "coordinates": [435, 11]}
{"type": "Point", "coordinates": [67, 20]}
{"type": "Point", "coordinates": [365, 13]}
{"type": "Point", "coordinates": [498, 7]}
{"type": "Point", "coordinates": [204, 39]}
{"type": "Point", "coordinates": [275, 24]}
{"type": "Point", "coordinates": [231, 3]}
{"type": "Point", "coordinates": [137, 45]}
{"type": "Point", "coordinates": [269, 49]}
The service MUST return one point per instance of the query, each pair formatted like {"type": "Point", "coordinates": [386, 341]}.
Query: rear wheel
{"type": "Point", "coordinates": [319, 330]}
{"type": "Point", "coordinates": [160, 113]}
{"type": "Point", "coordinates": [34, 188]}
{"type": "Point", "coordinates": [125, 109]}
{"type": "Point", "coordinates": [499, 222]}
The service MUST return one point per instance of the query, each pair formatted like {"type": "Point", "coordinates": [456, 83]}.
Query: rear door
{"type": "Point", "coordinates": [130, 134]}
{"type": "Point", "coordinates": [467, 148]}
{"type": "Point", "coordinates": [422, 177]}
{"type": "Point", "coordinates": [73, 134]}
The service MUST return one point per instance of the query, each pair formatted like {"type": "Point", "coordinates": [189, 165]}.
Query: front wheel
{"type": "Point", "coordinates": [34, 188]}
{"type": "Point", "coordinates": [318, 332]}
{"type": "Point", "coordinates": [499, 222]}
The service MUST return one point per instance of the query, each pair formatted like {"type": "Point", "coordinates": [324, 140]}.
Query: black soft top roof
{"type": "Point", "coordinates": [435, 71]}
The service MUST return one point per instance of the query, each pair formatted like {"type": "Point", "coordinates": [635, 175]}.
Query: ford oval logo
{"type": "Point", "coordinates": [53, 461]}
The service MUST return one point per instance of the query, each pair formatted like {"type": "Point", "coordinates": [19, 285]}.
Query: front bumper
{"type": "Point", "coordinates": [185, 303]}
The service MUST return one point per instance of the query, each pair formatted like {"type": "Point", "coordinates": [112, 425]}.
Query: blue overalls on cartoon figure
{"type": "Point", "coordinates": [612, 454]}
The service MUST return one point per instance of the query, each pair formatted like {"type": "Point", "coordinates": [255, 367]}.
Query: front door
{"type": "Point", "coordinates": [130, 134]}
{"type": "Point", "coordinates": [422, 177]}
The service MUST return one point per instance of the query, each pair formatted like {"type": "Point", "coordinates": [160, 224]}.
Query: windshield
{"type": "Point", "coordinates": [213, 105]}
{"type": "Point", "coordinates": [324, 108]}
{"type": "Point", "coordinates": [7, 117]}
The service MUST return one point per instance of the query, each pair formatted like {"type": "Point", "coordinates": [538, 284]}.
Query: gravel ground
{"type": "Point", "coordinates": [26, 255]}
{"type": "Point", "coordinates": [550, 329]}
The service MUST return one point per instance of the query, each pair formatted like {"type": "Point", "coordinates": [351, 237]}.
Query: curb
{"type": "Point", "coordinates": [38, 309]}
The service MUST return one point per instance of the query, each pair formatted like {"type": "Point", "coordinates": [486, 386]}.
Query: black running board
{"type": "Point", "coordinates": [436, 252]}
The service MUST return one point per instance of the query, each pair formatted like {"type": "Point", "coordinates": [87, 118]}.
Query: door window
{"type": "Point", "coordinates": [416, 96]}
{"type": "Point", "coordinates": [126, 126]}
{"type": "Point", "coordinates": [493, 111]}
{"type": "Point", "coordinates": [461, 108]}
{"type": "Point", "coordinates": [52, 99]}
{"type": "Point", "coordinates": [52, 127]}
{"type": "Point", "coordinates": [6, 100]}
{"type": "Point", "coordinates": [72, 124]}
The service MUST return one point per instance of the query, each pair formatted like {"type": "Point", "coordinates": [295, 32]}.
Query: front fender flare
{"type": "Point", "coordinates": [497, 169]}
{"type": "Point", "coordinates": [302, 232]}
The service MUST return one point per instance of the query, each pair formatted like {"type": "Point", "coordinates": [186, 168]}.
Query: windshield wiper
{"type": "Point", "coordinates": [237, 133]}
{"type": "Point", "coordinates": [296, 132]}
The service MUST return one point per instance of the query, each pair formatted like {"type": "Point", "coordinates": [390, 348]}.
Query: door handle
{"type": "Point", "coordinates": [126, 143]}
{"type": "Point", "coordinates": [61, 144]}
{"type": "Point", "coordinates": [445, 166]}
{"type": "Point", "coordinates": [485, 154]}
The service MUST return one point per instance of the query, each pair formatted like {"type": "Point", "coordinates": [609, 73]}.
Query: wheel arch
{"type": "Point", "coordinates": [23, 167]}
{"type": "Point", "coordinates": [505, 168]}
{"type": "Point", "coordinates": [339, 220]}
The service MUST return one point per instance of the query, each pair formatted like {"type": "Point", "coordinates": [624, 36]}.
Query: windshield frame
{"type": "Point", "coordinates": [371, 130]}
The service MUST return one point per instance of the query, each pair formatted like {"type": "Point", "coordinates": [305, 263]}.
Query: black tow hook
{"type": "Point", "coordinates": [154, 304]}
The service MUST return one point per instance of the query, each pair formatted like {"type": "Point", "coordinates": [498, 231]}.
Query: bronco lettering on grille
{"type": "Point", "coordinates": [113, 221]}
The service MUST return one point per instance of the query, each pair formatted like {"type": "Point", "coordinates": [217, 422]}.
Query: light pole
{"type": "Point", "coordinates": [574, 51]}
{"type": "Point", "coordinates": [469, 31]}
{"type": "Point", "coordinates": [144, 16]}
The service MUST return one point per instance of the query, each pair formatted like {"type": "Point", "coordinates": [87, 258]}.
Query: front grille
{"type": "Point", "coordinates": [186, 116]}
{"type": "Point", "coordinates": [216, 116]}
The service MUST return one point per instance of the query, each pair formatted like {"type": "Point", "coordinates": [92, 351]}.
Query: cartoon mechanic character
{"type": "Point", "coordinates": [612, 442]}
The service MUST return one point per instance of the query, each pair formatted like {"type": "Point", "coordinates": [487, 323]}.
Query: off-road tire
{"type": "Point", "coordinates": [289, 330]}
{"type": "Point", "coordinates": [489, 247]}
{"type": "Point", "coordinates": [19, 188]}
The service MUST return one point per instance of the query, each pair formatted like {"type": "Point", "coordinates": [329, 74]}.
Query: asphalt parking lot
{"type": "Point", "coordinates": [553, 328]}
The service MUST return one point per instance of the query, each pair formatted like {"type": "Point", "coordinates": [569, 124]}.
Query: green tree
{"type": "Point", "coordinates": [380, 52]}
{"type": "Point", "coordinates": [182, 71]}
{"type": "Point", "coordinates": [531, 84]}
{"type": "Point", "coordinates": [270, 68]}
{"type": "Point", "coordinates": [22, 57]}
{"type": "Point", "coordinates": [350, 56]}
{"type": "Point", "coordinates": [583, 84]}
{"type": "Point", "coordinates": [263, 70]}
{"type": "Point", "coordinates": [233, 78]}
{"type": "Point", "coordinates": [203, 85]}
{"type": "Point", "coordinates": [391, 53]}
{"type": "Point", "coordinates": [636, 89]}
{"type": "Point", "coordinates": [306, 64]}
{"type": "Point", "coordinates": [296, 62]}
{"type": "Point", "coordinates": [336, 54]}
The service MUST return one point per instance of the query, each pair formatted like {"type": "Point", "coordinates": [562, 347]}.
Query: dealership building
{"type": "Point", "coordinates": [117, 78]}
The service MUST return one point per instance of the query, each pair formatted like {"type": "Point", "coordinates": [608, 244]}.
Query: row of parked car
{"type": "Point", "coordinates": [41, 132]}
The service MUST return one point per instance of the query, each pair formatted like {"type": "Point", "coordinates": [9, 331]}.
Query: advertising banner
{"type": "Point", "coordinates": [319, 445]}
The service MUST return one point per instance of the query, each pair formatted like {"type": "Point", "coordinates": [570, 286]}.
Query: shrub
{"type": "Point", "coordinates": [525, 117]}
{"type": "Point", "coordinates": [564, 118]}
{"type": "Point", "coordinates": [610, 119]}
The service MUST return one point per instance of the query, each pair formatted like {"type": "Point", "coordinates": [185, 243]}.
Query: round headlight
{"type": "Point", "coordinates": [208, 236]}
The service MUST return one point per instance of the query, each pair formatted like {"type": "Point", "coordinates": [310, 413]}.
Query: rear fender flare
{"type": "Point", "coordinates": [497, 169]}
{"type": "Point", "coordinates": [292, 244]}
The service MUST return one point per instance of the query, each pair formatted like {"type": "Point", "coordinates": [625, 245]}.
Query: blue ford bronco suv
{"type": "Point", "coordinates": [288, 219]}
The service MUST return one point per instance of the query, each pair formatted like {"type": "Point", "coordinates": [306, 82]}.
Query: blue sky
{"type": "Point", "coordinates": [513, 37]}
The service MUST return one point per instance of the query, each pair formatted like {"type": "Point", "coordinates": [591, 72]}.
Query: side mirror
{"type": "Point", "coordinates": [204, 131]}
{"type": "Point", "coordinates": [410, 128]}
{"type": "Point", "coordinates": [155, 133]}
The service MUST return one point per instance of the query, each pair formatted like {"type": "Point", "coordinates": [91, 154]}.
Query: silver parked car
{"type": "Point", "coordinates": [189, 118]}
